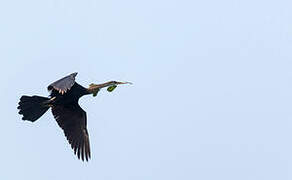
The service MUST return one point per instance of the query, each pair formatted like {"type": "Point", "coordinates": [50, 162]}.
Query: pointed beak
{"type": "Point", "coordinates": [124, 83]}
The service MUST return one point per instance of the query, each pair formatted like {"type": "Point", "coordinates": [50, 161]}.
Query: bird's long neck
{"type": "Point", "coordinates": [94, 88]}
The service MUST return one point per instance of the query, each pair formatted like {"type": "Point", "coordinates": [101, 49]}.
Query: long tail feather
{"type": "Point", "coordinates": [32, 107]}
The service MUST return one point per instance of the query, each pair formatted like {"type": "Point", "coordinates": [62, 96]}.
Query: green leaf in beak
{"type": "Point", "coordinates": [111, 88]}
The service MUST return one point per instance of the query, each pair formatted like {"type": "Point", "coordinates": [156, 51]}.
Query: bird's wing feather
{"type": "Point", "coordinates": [64, 84]}
{"type": "Point", "coordinates": [72, 119]}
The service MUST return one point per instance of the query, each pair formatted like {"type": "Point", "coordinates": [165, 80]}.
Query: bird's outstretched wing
{"type": "Point", "coordinates": [64, 84]}
{"type": "Point", "coordinates": [72, 119]}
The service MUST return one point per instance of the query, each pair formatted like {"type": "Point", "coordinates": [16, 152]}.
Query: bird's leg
{"type": "Point", "coordinates": [49, 102]}
{"type": "Point", "coordinates": [52, 99]}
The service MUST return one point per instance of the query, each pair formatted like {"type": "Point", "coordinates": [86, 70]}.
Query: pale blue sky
{"type": "Point", "coordinates": [211, 97]}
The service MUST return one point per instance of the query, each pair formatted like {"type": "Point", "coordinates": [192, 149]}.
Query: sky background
{"type": "Point", "coordinates": [211, 97]}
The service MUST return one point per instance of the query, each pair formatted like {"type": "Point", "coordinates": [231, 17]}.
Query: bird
{"type": "Point", "coordinates": [63, 101]}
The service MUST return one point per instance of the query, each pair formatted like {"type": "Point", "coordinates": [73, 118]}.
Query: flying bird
{"type": "Point", "coordinates": [63, 101]}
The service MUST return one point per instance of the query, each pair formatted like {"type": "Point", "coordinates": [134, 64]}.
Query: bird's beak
{"type": "Point", "coordinates": [124, 83]}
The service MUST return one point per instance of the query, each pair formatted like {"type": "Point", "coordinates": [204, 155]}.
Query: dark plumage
{"type": "Point", "coordinates": [63, 101]}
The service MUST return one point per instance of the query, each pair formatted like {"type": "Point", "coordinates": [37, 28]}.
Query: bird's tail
{"type": "Point", "coordinates": [32, 107]}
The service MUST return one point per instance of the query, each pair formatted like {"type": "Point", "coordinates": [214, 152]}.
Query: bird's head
{"type": "Point", "coordinates": [111, 85]}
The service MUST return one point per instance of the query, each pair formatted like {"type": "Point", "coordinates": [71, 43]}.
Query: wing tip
{"type": "Point", "coordinates": [74, 74]}
{"type": "Point", "coordinates": [52, 85]}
